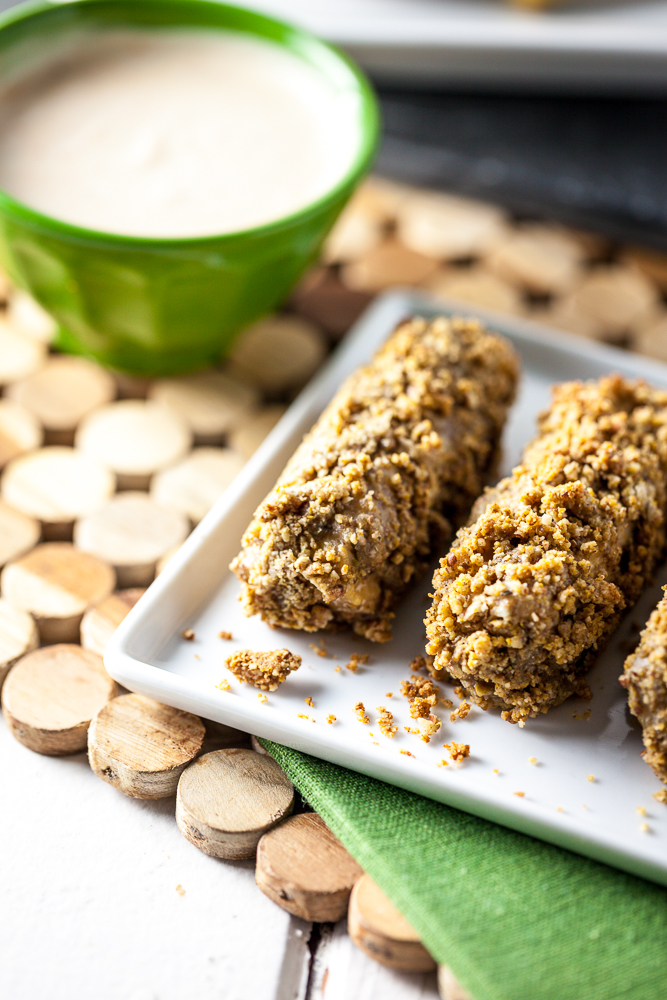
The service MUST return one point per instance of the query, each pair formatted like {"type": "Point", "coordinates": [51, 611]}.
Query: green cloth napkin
{"type": "Point", "coordinates": [515, 918]}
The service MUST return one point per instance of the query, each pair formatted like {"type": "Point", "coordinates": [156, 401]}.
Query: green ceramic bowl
{"type": "Point", "coordinates": [165, 306]}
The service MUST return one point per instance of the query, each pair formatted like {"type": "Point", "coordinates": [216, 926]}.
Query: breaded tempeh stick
{"type": "Point", "coordinates": [645, 677]}
{"type": "Point", "coordinates": [533, 586]}
{"type": "Point", "coordinates": [405, 443]}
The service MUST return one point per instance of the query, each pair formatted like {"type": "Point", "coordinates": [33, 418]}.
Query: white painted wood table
{"type": "Point", "coordinates": [101, 897]}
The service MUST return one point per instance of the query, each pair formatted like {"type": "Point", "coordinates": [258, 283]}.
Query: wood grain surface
{"type": "Point", "coordinates": [141, 746]}
{"type": "Point", "coordinates": [229, 798]}
{"type": "Point", "coordinates": [18, 636]}
{"type": "Point", "coordinates": [101, 621]}
{"type": "Point", "coordinates": [18, 533]}
{"type": "Point", "coordinates": [20, 431]}
{"type": "Point", "coordinates": [377, 927]}
{"type": "Point", "coordinates": [50, 696]}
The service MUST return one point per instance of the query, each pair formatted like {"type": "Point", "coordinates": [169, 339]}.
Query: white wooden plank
{"type": "Point", "coordinates": [90, 903]}
{"type": "Point", "coordinates": [341, 971]}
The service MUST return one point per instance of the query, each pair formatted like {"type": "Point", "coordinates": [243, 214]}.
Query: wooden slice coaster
{"type": "Point", "coordinates": [131, 532]}
{"type": "Point", "coordinates": [355, 234]}
{"type": "Point", "coordinates": [446, 227]}
{"type": "Point", "coordinates": [323, 298]}
{"type": "Point", "coordinates": [278, 354]}
{"type": "Point", "coordinates": [18, 636]}
{"type": "Point", "coordinates": [389, 264]}
{"type": "Point", "coordinates": [448, 985]}
{"type": "Point", "coordinates": [651, 263]}
{"type": "Point", "coordinates": [51, 695]}
{"type": "Point", "coordinates": [192, 486]}
{"type": "Point", "coordinates": [18, 533]}
{"type": "Point", "coordinates": [56, 583]}
{"type": "Point", "coordinates": [247, 439]}
{"type": "Point", "coordinates": [135, 439]}
{"type": "Point", "coordinates": [19, 431]}
{"type": "Point", "coordinates": [141, 747]}
{"type": "Point", "coordinates": [616, 298]}
{"type": "Point", "coordinates": [479, 287]}
{"type": "Point", "coordinates": [542, 259]}
{"type": "Point", "coordinates": [28, 316]}
{"type": "Point", "coordinates": [229, 798]}
{"type": "Point", "coordinates": [303, 868]}
{"type": "Point", "coordinates": [377, 927]}
{"type": "Point", "coordinates": [20, 355]}
{"type": "Point", "coordinates": [212, 403]}
{"type": "Point", "coordinates": [651, 338]}
{"type": "Point", "coordinates": [56, 485]}
{"type": "Point", "coordinates": [99, 623]}
{"type": "Point", "coordinates": [61, 393]}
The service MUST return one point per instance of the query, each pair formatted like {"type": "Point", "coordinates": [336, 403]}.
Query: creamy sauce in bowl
{"type": "Point", "coordinates": [181, 133]}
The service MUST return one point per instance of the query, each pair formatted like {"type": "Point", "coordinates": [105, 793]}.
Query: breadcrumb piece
{"type": "Point", "coordinates": [309, 701]}
{"type": "Point", "coordinates": [447, 703]}
{"type": "Point", "coordinates": [532, 760]}
{"type": "Point", "coordinates": [520, 794]}
{"type": "Point", "coordinates": [300, 715]}
{"type": "Point", "coordinates": [224, 685]}
{"type": "Point", "coordinates": [420, 708]}
{"type": "Point", "coordinates": [590, 777]}
{"type": "Point", "coordinates": [385, 722]}
{"type": "Point", "coordinates": [421, 663]}
{"type": "Point", "coordinates": [442, 763]}
{"type": "Point", "coordinates": [355, 660]}
{"type": "Point", "coordinates": [581, 716]}
{"type": "Point", "coordinates": [428, 727]}
{"type": "Point", "coordinates": [180, 890]}
{"type": "Point", "coordinates": [644, 827]}
{"type": "Point", "coordinates": [389, 694]}
{"type": "Point", "coordinates": [419, 687]}
{"type": "Point", "coordinates": [460, 712]}
{"type": "Point", "coordinates": [331, 719]}
{"type": "Point", "coordinates": [320, 650]}
{"type": "Point", "coordinates": [407, 753]}
{"type": "Point", "coordinates": [458, 751]}
{"type": "Point", "coordinates": [337, 670]}
{"type": "Point", "coordinates": [361, 712]}
{"type": "Point", "coordinates": [661, 796]}
{"type": "Point", "coordinates": [262, 698]}
{"type": "Point", "coordinates": [496, 771]}
{"type": "Point", "coordinates": [263, 670]}
{"type": "Point", "coordinates": [641, 811]}
{"type": "Point", "coordinates": [225, 635]}
{"type": "Point", "coordinates": [188, 634]}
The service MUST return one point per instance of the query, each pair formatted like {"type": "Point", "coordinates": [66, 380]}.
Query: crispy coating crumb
{"type": "Point", "coordinates": [361, 712]}
{"type": "Point", "coordinates": [262, 698]}
{"type": "Point", "coordinates": [535, 584]}
{"type": "Point", "coordinates": [428, 727]}
{"type": "Point", "coordinates": [458, 751]}
{"type": "Point", "coordinates": [420, 687]}
{"type": "Point", "coordinates": [461, 712]}
{"type": "Point", "coordinates": [188, 634]}
{"type": "Point", "coordinates": [337, 670]}
{"type": "Point", "coordinates": [320, 650]}
{"type": "Point", "coordinates": [641, 811]}
{"type": "Point", "coordinates": [385, 722]}
{"type": "Point", "coordinates": [355, 660]}
{"type": "Point", "coordinates": [421, 663]}
{"type": "Point", "coordinates": [331, 719]}
{"type": "Point", "coordinates": [590, 777]}
{"type": "Point", "coordinates": [407, 753]}
{"type": "Point", "coordinates": [442, 763]}
{"type": "Point", "coordinates": [520, 794]}
{"type": "Point", "coordinates": [397, 457]}
{"type": "Point", "coordinates": [661, 796]}
{"type": "Point", "coordinates": [644, 827]}
{"type": "Point", "coordinates": [225, 635]}
{"type": "Point", "coordinates": [224, 685]}
{"type": "Point", "coordinates": [263, 670]}
{"type": "Point", "coordinates": [582, 716]}
{"type": "Point", "coordinates": [645, 677]}
{"type": "Point", "coordinates": [300, 715]}
{"type": "Point", "coordinates": [533, 760]}
{"type": "Point", "coordinates": [389, 694]}
{"type": "Point", "coordinates": [309, 701]}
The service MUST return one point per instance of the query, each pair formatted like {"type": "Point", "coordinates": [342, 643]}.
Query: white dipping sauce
{"type": "Point", "coordinates": [179, 133]}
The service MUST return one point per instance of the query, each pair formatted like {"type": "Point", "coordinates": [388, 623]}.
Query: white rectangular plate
{"type": "Point", "coordinates": [587, 781]}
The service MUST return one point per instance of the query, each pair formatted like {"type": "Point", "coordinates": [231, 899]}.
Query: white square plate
{"type": "Point", "coordinates": [588, 781]}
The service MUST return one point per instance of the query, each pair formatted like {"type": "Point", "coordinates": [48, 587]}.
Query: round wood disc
{"type": "Point", "coordinates": [134, 438]}
{"type": "Point", "coordinates": [99, 623]}
{"type": "Point", "coordinates": [302, 867]}
{"type": "Point", "coordinates": [62, 392]}
{"type": "Point", "coordinates": [20, 355]}
{"type": "Point", "coordinates": [446, 227]}
{"type": "Point", "coordinates": [18, 636]}
{"type": "Point", "coordinates": [56, 485]}
{"type": "Point", "coordinates": [389, 264]}
{"type": "Point", "coordinates": [18, 533]}
{"type": "Point", "coordinates": [212, 403]}
{"type": "Point", "coordinates": [192, 486]}
{"type": "Point", "coordinates": [228, 799]}
{"type": "Point", "coordinates": [141, 747]}
{"type": "Point", "coordinates": [377, 927]}
{"type": "Point", "coordinates": [56, 583]}
{"type": "Point", "coordinates": [19, 431]}
{"type": "Point", "coordinates": [28, 316]}
{"type": "Point", "coordinates": [131, 532]}
{"type": "Point", "coordinates": [247, 438]}
{"type": "Point", "coordinates": [278, 353]}
{"type": "Point", "coordinates": [51, 695]}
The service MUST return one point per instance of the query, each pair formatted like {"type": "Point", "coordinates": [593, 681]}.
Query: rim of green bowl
{"type": "Point", "coordinates": [369, 117]}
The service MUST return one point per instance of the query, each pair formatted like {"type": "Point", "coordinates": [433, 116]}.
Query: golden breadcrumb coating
{"type": "Point", "coordinates": [535, 584]}
{"type": "Point", "coordinates": [267, 670]}
{"type": "Point", "coordinates": [400, 452]}
{"type": "Point", "coordinates": [645, 677]}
